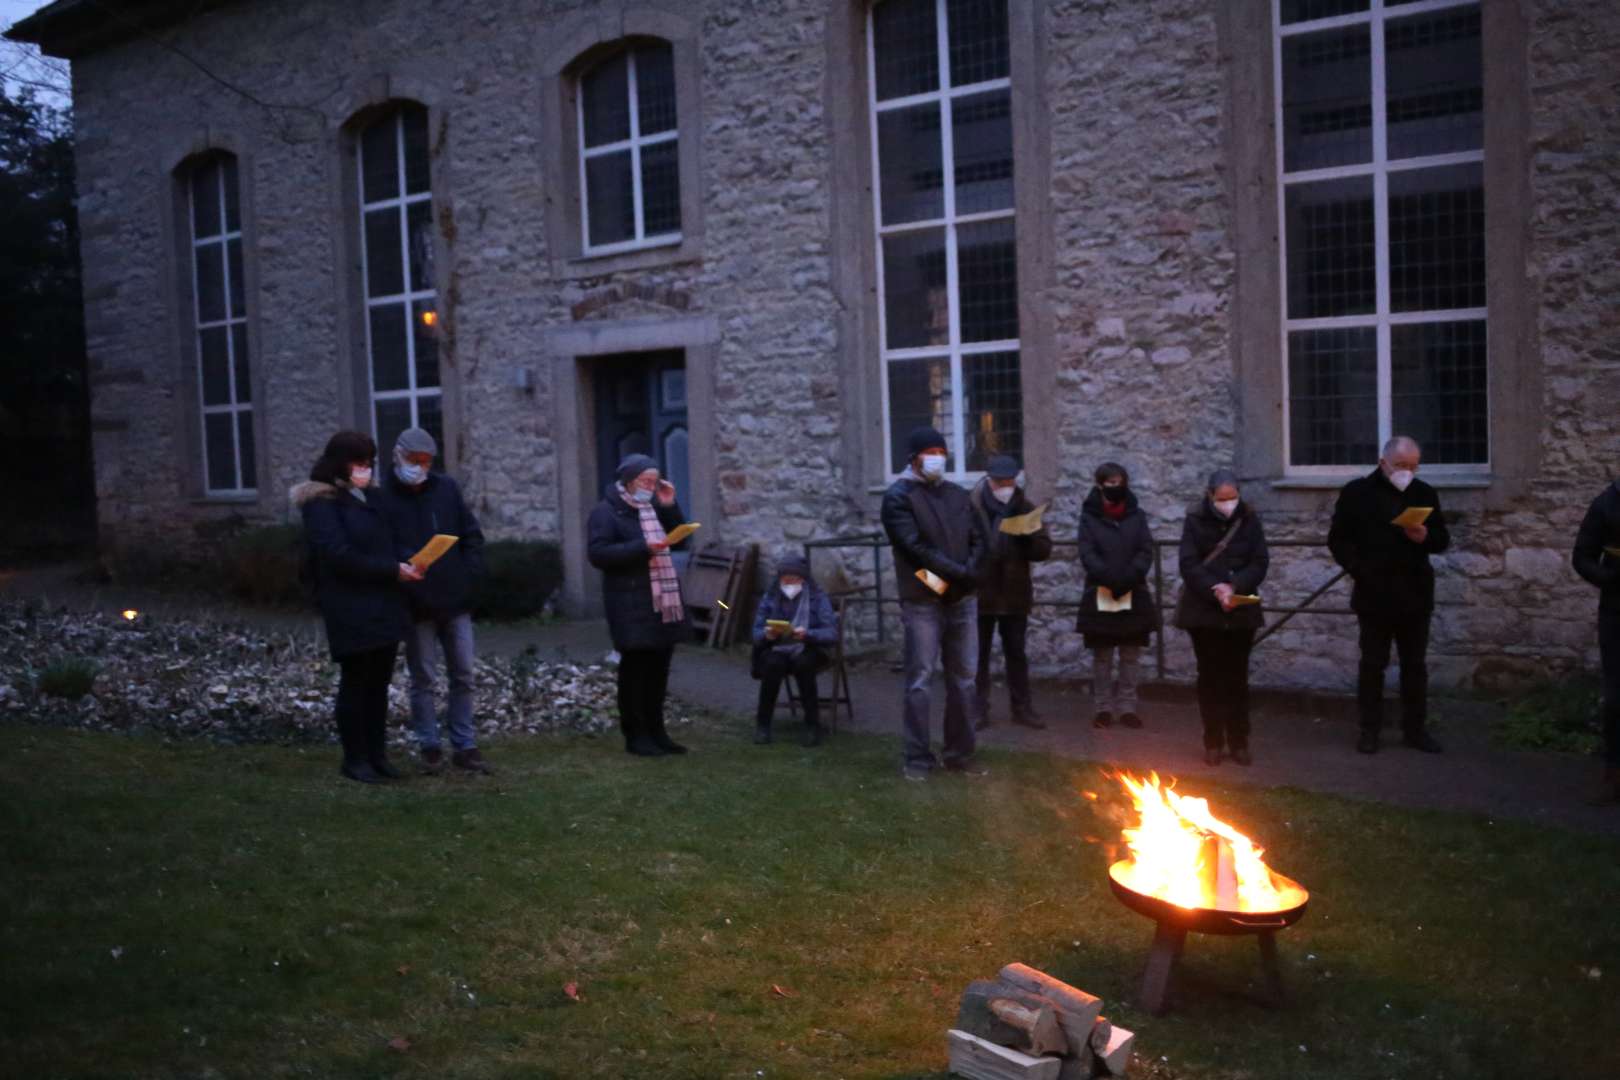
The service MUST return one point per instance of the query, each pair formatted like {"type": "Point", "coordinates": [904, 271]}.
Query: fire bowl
{"type": "Point", "coordinates": [1204, 920]}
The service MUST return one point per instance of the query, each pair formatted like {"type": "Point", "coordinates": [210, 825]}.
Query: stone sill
{"type": "Point", "coordinates": [1441, 481]}
{"type": "Point", "coordinates": [225, 500]}
{"type": "Point", "coordinates": [663, 253]}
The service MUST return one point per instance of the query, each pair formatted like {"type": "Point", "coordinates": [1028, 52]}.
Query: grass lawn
{"type": "Point", "coordinates": [185, 910]}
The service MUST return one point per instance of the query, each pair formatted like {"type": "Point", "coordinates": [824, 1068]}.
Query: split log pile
{"type": "Point", "coordinates": [1026, 1025]}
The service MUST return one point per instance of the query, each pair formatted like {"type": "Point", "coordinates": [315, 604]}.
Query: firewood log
{"type": "Point", "coordinates": [1008, 1016]}
{"type": "Point", "coordinates": [1112, 1047]}
{"type": "Point", "coordinates": [1076, 1010]}
{"type": "Point", "coordinates": [974, 1058]}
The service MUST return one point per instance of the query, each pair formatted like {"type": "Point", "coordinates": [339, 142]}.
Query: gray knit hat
{"type": "Point", "coordinates": [633, 466]}
{"type": "Point", "coordinates": [416, 441]}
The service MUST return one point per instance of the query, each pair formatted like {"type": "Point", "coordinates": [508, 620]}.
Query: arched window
{"type": "Point", "coordinates": [401, 300]}
{"type": "Point", "coordinates": [219, 323]}
{"type": "Point", "coordinates": [630, 188]}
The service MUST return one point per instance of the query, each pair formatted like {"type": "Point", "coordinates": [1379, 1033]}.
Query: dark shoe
{"type": "Point", "coordinates": [985, 721]}
{"type": "Point", "coordinates": [1422, 741]}
{"type": "Point", "coordinates": [382, 768]}
{"type": "Point", "coordinates": [1212, 756]}
{"type": "Point", "coordinates": [1130, 720]}
{"type": "Point", "coordinates": [667, 744]}
{"type": "Point", "coordinates": [915, 773]}
{"type": "Point", "coordinates": [1240, 756]}
{"type": "Point", "coordinates": [1030, 720]}
{"type": "Point", "coordinates": [1368, 743]}
{"type": "Point", "coordinates": [641, 746]}
{"type": "Point", "coordinates": [362, 772]}
{"type": "Point", "coordinates": [811, 736]}
{"type": "Point", "coordinates": [762, 734]}
{"type": "Point", "coordinates": [1103, 719]}
{"type": "Point", "coordinates": [433, 761]}
{"type": "Point", "coordinates": [471, 760]}
{"type": "Point", "coordinates": [968, 767]}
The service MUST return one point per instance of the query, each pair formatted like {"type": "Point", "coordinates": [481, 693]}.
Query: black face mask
{"type": "Point", "coordinates": [1115, 494]}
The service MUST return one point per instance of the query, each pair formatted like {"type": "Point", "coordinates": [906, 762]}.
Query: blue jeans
{"type": "Point", "coordinates": [455, 634]}
{"type": "Point", "coordinates": [934, 633]}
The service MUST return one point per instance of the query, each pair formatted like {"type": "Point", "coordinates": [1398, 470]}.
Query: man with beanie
{"type": "Point", "coordinates": [931, 524]}
{"type": "Point", "coordinates": [1006, 593]}
{"type": "Point", "coordinates": [421, 503]}
{"type": "Point", "coordinates": [1597, 559]}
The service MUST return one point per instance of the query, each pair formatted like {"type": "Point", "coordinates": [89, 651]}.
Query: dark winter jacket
{"type": "Point", "coordinates": [1392, 574]}
{"type": "Point", "coordinates": [615, 546]}
{"type": "Point", "coordinates": [1242, 565]}
{"type": "Point", "coordinates": [1119, 556]}
{"type": "Point", "coordinates": [821, 634]}
{"type": "Point", "coordinates": [415, 515]}
{"type": "Point", "coordinates": [933, 527]}
{"type": "Point", "coordinates": [356, 568]}
{"type": "Point", "coordinates": [1005, 587]}
{"type": "Point", "coordinates": [1601, 529]}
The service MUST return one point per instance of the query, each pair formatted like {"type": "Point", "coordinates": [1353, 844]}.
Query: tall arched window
{"type": "Point", "coordinates": [629, 184]}
{"type": "Point", "coordinates": [219, 319]}
{"type": "Point", "coordinates": [401, 301]}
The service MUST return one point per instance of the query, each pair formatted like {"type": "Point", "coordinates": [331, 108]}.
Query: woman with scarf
{"type": "Point", "coordinates": [642, 594]}
{"type": "Point", "coordinates": [1116, 551]}
{"type": "Point", "coordinates": [798, 649]}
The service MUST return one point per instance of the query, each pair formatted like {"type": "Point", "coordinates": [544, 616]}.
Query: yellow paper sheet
{"type": "Point", "coordinates": [1108, 603]}
{"type": "Point", "coordinates": [1413, 515]}
{"type": "Point", "coordinates": [681, 532]}
{"type": "Point", "coordinates": [1024, 524]}
{"type": "Point", "coordinates": [1240, 599]}
{"type": "Point", "coordinates": [1615, 551]}
{"type": "Point", "coordinates": [933, 581]}
{"type": "Point", "coordinates": [432, 551]}
{"type": "Point", "coordinates": [779, 624]}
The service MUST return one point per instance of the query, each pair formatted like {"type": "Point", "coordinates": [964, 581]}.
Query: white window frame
{"type": "Point", "coordinates": [1379, 168]}
{"type": "Point", "coordinates": [245, 485]}
{"type": "Point", "coordinates": [401, 203]}
{"type": "Point", "coordinates": [635, 144]}
{"type": "Point", "coordinates": [954, 348]}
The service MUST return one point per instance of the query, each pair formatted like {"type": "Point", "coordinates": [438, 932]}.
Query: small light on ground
{"type": "Point", "coordinates": [131, 614]}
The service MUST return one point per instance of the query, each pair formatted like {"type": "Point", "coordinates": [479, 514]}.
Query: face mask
{"type": "Point", "coordinates": [641, 495]}
{"type": "Point", "coordinates": [1004, 494]}
{"type": "Point", "coordinates": [933, 466]}
{"type": "Point", "coordinates": [1114, 494]}
{"type": "Point", "coordinates": [1225, 507]}
{"type": "Point", "coordinates": [360, 478]}
{"type": "Point", "coordinates": [790, 591]}
{"type": "Point", "coordinates": [1401, 478]}
{"type": "Point", "coordinates": [410, 475]}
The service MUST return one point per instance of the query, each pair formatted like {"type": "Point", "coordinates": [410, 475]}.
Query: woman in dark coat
{"type": "Point", "coordinates": [801, 652]}
{"type": "Point", "coordinates": [356, 574]}
{"type": "Point", "coordinates": [642, 594]}
{"type": "Point", "coordinates": [1223, 559]}
{"type": "Point", "coordinates": [1116, 550]}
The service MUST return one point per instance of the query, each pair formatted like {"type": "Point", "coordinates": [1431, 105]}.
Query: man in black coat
{"type": "Point", "coordinates": [421, 503]}
{"type": "Point", "coordinates": [1393, 595]}
{"type": "Point", "coordinates": [1597, 559]}
{"type": "Point", "coordinates": [931, 524]}
{"type": "Point", "coordinates": [1006, 593]}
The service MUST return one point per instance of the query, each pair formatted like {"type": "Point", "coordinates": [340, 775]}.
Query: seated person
{"type": "Point", "coordinates": [800, 649]}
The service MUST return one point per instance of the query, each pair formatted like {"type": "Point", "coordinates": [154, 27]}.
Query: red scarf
{"type": "Point", "coordinates": [1114, 511]}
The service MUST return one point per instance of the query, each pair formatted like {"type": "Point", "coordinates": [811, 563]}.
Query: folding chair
{"type": "Point", "coordinates": [840, 672]}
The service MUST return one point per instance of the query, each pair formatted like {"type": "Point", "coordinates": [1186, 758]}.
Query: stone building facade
{"type": "Point", "coordinates": [1160, 280]}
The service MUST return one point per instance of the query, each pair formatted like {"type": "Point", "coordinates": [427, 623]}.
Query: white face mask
{"type": "Point", "coordinates": [1225, 507]}
{"type": "Point", "coordinates": [1401, 478]}
{"type": "Point", "coordinates": [790, 591]}
{"type": "Point", "coordinates": [410, 475]}
{"type": "Point", "coordinates": [360, 478]}
{"type": "Point", "coordinates": [1004, 494]}
{"type": "Point", "coordinates": [933, 466]}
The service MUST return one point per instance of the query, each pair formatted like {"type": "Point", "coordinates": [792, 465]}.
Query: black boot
{"type": "Point", "coordinates": [762, 733]}
{"type": "Point", "coordinates": [812, 731]}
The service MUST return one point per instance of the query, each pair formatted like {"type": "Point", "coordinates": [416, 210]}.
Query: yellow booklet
{"type": "Point", "coordinates": [1024, 524]}
{"type": "Point", "coordinates": [933, 581]}
{"type": "Point", "coordinates": [779, 624]}
{"type": "Point", "coordinates": [1108, 603]}
{"type": "Point", "coordinates": [681, 532]}
{"type": "Point", "coordinates": [1615, 551]}
{"type": "Point", "coordinates": [1412, 515]}
{"type": "Point", "coordinates": [1240, 599]}
{"type": "Point", "coordinates": [432, 551]}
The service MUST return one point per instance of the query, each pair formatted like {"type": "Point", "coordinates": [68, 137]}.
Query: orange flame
{"type": "Point", "coordinates": [1183, 853]}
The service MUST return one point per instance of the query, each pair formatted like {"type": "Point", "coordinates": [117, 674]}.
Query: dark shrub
{"type": "Point", "coordinates": [260, 565]}
{"type": "Point", "coordinates": [71, 677]}
{"type": "Point", "coordinates": [522, 575]}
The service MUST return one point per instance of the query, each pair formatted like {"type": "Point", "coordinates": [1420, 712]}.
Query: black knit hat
{"type": "Point", "coordinates": [923, 438]}
{"type": "Point", "coordinates": [1002, 467]}
{"type": "Point", "coordinates": [633, 466]}
{"type": "Point", "coordinates": [793, 564]}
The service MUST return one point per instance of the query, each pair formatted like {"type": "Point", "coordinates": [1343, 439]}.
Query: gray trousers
{"type": "Point", "coordinates": [1110, 692]}
{"type": "Point", "coordinates": [940, 635]}
{"type": "Point", "coordinates": [454, 634]}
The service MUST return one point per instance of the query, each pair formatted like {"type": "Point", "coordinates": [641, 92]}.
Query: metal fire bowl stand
{"type": "Point", "coordinates": [1172, 924]}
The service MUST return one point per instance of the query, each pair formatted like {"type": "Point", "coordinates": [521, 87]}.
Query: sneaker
{"type": "Point", "coordinates": [1103, 719]}
{"type": "Point", "coordinates": [383, 769]}
{"type": "Point", "coordinates": [916, 773]}
{"type": "Point", "coordinates": [762, 735]}
{"type": "Point", "coordinates": [1130, 720]}
{"type": "Point", "coordinates": [362, 772]}
{"type": "Point", "coordinates": [471, 760]}
{"type": "Point", "coordinates": [1422, 741]}
{"type": "Point", "coordinates": [1212, 756]}
{"type": "Point", "coordinates": [432, 761]}
{"type": "Point", "coordinates": [1368, 743]}
{"type": "Point", "coordinates": [968, 767]}
{"type": "Point", "coordinates": [1240, 756]}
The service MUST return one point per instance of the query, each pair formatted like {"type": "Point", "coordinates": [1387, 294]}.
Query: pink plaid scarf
{"type": "Point", "coordinates": [666, 585]}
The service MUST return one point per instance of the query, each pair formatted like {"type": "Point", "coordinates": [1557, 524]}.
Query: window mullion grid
{"type": "Point", "coordinates": [635, 149]}
{"type": "Point", "coordinates": [928, 96]}
{"type": "Point", "coordinates": [952, 276]}
{"type": "Point", "coordinates": [934, 223]}
{"type": "Point", "coordinates": [405, 261]}
{"type": "Point", "coordinates": [196, 322]}
{"type": "Point", "coordinates": [877, 239]}
{"type": "Point", "coordinates": [1282, 229]}
{"type": "Point", "coordinates": [1381, 250]}
{"type": "Point", "coordinates": [365, 280]}
{"type": "Point", "coordinates": [230, 338]}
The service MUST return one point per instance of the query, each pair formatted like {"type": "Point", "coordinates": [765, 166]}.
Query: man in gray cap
{"type": "Point", "coordinates": [1006, 592]}
{"type": "Point", "coordinates": [931, 524]}
{"type": "Point", "coordinates": [420, 503]}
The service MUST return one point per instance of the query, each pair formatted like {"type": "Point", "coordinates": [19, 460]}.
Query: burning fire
{"type": "Point", "coordinates": [1182, 853]}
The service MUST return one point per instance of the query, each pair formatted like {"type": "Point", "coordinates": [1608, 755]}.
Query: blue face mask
{"type": "Point", "coordinates": [641, 495]}
{"type": "Point", "coordinates": [410, 475]}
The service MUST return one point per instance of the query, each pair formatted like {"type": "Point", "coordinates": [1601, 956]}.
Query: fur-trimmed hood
{"type": "Point", "coordinates": [300, 494]}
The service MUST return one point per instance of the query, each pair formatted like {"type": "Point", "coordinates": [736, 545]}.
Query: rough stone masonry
{"type": "Point", "coordinates": [1139, 126]}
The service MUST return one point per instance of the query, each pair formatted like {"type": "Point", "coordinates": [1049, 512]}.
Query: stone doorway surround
{"type": "Point", "coordinates": [571, 352]}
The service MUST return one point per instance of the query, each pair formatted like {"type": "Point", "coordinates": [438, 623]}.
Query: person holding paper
{"type": "Point", "coordinates": [356, 571]}
{"type": "Point", "coordinates": [1223, 559]}
{"type": "Point", "coordinates": [627, 539]}
{"type": "Point", "coordinates": [1597, 559]}
{"type": "Point", "coordinates": [794, 630]}
{"type": "Point", "coordinates": [1006, 593]}
{"type": "Point", "coordinates": [1116, 552]}
{"type": "Point", "coordinates": [420, 505]}
{"type": "Point", "coordinates": [931, 526]}
{"type": "Point", "coordinates": [1393, 590]}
